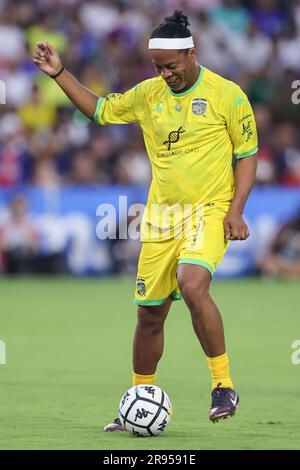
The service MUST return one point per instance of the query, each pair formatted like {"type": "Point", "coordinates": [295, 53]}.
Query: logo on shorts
{"type": "Point", "coordinates": [141, 286]}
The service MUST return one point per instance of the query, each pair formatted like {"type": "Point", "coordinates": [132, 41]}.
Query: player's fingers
{"type": "Point", "coordinates": [227, 230]}
{"type": "Point", "coordinates": [244, 232]}
{"type": "Point", "coordinates": [50, 48]}
{"type": "Point", "coordinates": [240, 234]}
{"type": "Point", "coordinates": [41, 45]}
{"type": "Point", "coordinates": [39, 53]}
{"type": "Point", "coordinates": [235, 233]}
{"type": "Point", "coordinates": [38, 61]}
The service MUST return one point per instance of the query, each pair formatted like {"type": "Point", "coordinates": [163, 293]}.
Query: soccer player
{"type": "Point", "coordinates": [193, 122]}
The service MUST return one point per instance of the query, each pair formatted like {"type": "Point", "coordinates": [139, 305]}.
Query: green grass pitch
{"type": "Point", "coordinates": [68, 349]}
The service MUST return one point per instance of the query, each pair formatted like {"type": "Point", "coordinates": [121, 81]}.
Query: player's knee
{"type": "Point", "coordinates": [194, 293]}
{"type": "Point", "coordinates": [150, 318]}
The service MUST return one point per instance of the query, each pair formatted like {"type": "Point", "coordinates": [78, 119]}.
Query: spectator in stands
{"type": "Point", "coordinates": [287, 154]}
{"type": "Point", "coordinates": [269, 17]}
{"type": "Point", "coordinates": [265, 173]}
{"type": "Point", "coordinates": [283, 259]}
{"type": "Point", "coordinates": [35, 114]}
{"type": "Point", "coordinates": [18, 239]}
{"type": "Point", "coordinates": [84, 169]}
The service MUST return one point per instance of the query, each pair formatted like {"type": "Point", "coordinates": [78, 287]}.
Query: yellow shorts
{"type": "Point", "coordinates": [157, 267]}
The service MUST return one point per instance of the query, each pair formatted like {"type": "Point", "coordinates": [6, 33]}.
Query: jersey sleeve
{"type": "Point", "coordinates": [118, 108]}
{"type": "Point", "coordinates": [241, 124]}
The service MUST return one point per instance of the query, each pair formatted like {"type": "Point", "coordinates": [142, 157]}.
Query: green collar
{"type": "Point", "coordinates": [187, 92]}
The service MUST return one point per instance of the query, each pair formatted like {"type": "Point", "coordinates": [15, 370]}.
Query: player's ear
{"type": "Point", "coordinates": [192, 52]}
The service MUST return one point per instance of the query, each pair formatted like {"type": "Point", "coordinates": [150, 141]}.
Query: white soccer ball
{"type": "Point", "coordinates": [145, 410]}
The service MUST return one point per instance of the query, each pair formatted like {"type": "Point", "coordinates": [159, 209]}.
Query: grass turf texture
{"type": "Point", "coordinates": [69, 361]}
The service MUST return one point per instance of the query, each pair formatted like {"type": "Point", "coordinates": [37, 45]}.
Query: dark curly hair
{"type": "Point", "coordinates": [175, 26]}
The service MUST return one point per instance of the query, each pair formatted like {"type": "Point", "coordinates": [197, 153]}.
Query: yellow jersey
{"type": "Point", "coordinates": [190, 139]}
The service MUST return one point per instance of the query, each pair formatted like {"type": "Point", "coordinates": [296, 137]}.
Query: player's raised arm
{"type": "Point", "coordinates": [48, 60]}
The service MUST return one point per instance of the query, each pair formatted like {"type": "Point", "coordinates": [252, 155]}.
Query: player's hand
{"type": "Point", "coordinates": [46, 58]}
{"type": "Point", "coordinates": [235, 227]}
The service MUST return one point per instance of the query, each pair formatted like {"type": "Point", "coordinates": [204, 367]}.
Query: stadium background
{"type": "Point", "coordinates": [56, 167]}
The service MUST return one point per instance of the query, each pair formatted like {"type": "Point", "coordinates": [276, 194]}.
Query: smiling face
{"type": "Point", "coordinates": [178, 69]}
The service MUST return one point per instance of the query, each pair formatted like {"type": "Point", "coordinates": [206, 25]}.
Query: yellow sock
{"type": "Point", "coordinates": [143, 379]}
{"type": "Point", "coordinates": [219, 369]}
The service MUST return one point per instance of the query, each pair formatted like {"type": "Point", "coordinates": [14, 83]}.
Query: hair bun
{"type": "Point", "coordinates": [179, 18]}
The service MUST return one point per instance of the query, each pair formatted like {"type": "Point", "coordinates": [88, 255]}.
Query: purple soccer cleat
{"type": "Point", "coordinates": [115, 426]}
{"type": "Point", "coordinates": [225, 402]}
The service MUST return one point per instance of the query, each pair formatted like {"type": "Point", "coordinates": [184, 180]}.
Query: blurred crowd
{"type": "Point", "coordinates": [44, 140]}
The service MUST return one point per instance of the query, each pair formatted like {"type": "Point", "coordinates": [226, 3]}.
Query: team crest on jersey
{"type": "Point", "coordinates": [141, 286]}
{"type": "Point", "coordinates": [199, 106]}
